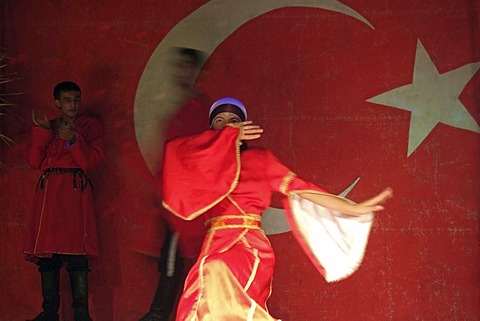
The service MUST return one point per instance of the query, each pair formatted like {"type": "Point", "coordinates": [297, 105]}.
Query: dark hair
{"type": "Point", "coordinates": [63, 87]}
{"type": "Point", "coordinates": [229, 108]}
{"type": "Point", "coordinates": [197, 56]}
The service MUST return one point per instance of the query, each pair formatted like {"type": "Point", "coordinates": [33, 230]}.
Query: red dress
{"type": "Point", "coordinates": [208, 175]}
{"type": "Point", "coordinates": [63, 219]}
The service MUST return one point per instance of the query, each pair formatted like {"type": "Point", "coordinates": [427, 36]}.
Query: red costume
{"type": "Point", "coordinates": [206, 174]}
{"type": "Point", "coordinates": [63, 219]}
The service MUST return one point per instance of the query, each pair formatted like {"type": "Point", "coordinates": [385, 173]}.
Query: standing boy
{"type": "Point", "coordinates": [62, 229]}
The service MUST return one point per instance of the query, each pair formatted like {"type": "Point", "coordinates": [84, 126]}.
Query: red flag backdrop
{"type": "Point", "coordinates": [387, 91]}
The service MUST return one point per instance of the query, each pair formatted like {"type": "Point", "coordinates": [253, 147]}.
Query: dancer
{"type": "Point", "coordinates": [209, 175]}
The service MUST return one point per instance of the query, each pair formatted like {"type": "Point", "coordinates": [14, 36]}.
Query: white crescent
{"type": "Point", "coordinates": [204, 29]}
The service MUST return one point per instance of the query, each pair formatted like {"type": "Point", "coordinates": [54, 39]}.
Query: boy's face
{"type": "Point", "coordinates": [69, 103]}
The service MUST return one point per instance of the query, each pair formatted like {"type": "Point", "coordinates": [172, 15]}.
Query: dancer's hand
{"type": "Point", "coordinates": [250, 131]}
{"type": "Point", "coordinates": [373, 204]}
{"type": "Point", "coordinates": [333, 202]}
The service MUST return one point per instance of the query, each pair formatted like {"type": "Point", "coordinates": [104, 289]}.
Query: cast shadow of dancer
{"type": "Point", "coordinates": [182, 240]}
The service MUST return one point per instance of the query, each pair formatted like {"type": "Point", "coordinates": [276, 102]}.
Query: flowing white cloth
{"type": "Point", "coordinates": [333, 240]}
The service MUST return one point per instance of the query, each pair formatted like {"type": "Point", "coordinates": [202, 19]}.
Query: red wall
{"type": "Point", "coordinates": [305, 75]}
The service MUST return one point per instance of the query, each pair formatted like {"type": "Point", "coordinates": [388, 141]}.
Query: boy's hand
{"type": "Point", "coordinates": [40, 121]}
{"type": "Point", "coordinates": [67, 132]}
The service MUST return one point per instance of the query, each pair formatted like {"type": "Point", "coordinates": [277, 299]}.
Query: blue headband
{"type": "Point", "coordinates": [228, 101]}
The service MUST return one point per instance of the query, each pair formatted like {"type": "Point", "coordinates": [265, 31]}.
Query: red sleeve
{"type": "Point", "coordinates": [283, 180]}
{"type": "Point", "coordinates": [87, 151]}
{"type": "Point", "coordinates": [36, 150]}
{"type": "Point", "coordinates": [200, 170]}
{"type": "Point", "coordinates": [333, 241]}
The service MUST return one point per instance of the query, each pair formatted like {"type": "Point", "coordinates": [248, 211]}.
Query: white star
{"type": "Point", "coordinates": [432, 98]}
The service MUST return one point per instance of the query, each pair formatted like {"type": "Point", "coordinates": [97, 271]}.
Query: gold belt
{"type": "Point", "coordinates": [250, 221]}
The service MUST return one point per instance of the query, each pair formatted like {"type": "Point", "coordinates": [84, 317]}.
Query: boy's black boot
{"type": "Point", "coordinates": [51, 296]}
{"type": "Point", "coordinates": [79, 285]}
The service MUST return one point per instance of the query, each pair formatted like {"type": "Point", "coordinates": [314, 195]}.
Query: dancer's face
{"type": "Point", "coordinates": [222, 119]}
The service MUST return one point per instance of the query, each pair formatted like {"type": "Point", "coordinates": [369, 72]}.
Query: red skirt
{"type": "Point", "coordinates": [232, 278]}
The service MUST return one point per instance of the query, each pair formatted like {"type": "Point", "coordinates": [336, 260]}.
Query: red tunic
{"type": "Point", "coordinates": [231, 280]}
{"type": "Point", "coordinates": [63, 219]}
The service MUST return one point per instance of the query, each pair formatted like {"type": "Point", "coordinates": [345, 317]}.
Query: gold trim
{"type": "Point", "coordinates": [251, 311]}
{"type": "Point", "coordinates": [287, 179]}
{"type": "Point", "coordinates": [208, 243]}
{"type": "Point", "coordinates": [240, 237]}
{"type": "Point", "coordinates": [254, 270]}
{"type": "Point", "coordinates": [236, 204]}
{"type": "Point", "coordinates": [233, 221]}
{"type": "Point", "coordinates": [310, 191]}
{"type": "Point", "coordinates": [223, 217]}
{"type": "Point", "coordinates": [42, 211]}
{"type": "Point", "coordinates": [201, 277]}
{"type": "Point", "coordinates": [243, 226]}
